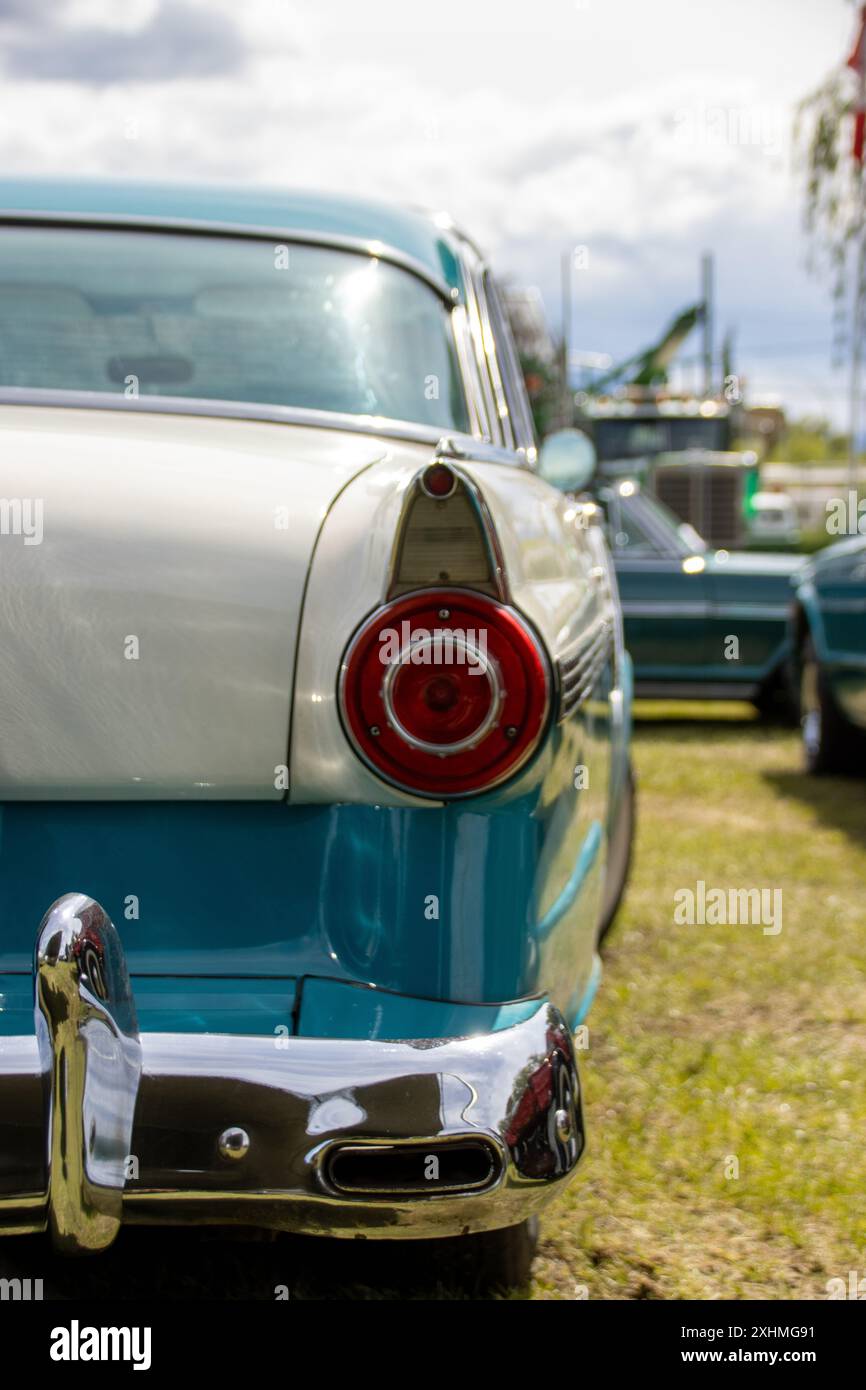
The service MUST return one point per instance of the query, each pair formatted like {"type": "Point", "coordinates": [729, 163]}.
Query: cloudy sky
{"type": "Point", "coordinates": [644, 132]}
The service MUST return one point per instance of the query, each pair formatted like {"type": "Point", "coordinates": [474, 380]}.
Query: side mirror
{"type": "Point", "coordinates": [567, 460]}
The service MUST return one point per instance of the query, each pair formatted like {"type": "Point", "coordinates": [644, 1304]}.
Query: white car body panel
{"type": "Point", "coordinates": [167, 529]}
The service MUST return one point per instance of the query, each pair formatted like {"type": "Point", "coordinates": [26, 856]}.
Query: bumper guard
{"type": "Point", "coordinates": [337, 1137]}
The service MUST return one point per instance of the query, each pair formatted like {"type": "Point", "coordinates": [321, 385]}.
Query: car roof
{"type": "Point", "coordinates": [430, 240]}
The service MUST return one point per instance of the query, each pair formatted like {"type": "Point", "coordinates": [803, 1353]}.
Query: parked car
{"type": "Point", "coordinates": [699, 623]}
{"type": "Point", "coordinates": [314, 750]}
{"type": "Point", "coordinates": [829, 634]}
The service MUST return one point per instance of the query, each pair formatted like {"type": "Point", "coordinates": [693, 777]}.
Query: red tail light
{"type": "Point", "coordinates": [444, 692]}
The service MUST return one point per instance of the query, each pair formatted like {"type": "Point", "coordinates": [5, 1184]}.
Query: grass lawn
{"type": "Point", "coordinates": [713, 1050]}
{"type": "Point", "coordinates": [713, 1043]}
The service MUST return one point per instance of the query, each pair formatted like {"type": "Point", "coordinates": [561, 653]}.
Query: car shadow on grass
{"type": "Point", "coordinates": [170, 1265]}
{"type": "Point", "coordinates": [838, 802]}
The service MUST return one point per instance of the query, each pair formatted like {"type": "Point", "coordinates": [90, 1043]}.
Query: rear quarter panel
{"type": "Point", "coordinates": [515, 875]}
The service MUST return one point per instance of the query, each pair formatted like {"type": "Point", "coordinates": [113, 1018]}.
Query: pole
{"type": "Point", "coordinates": [857, 323]}
{"type": "Point", "coordinates": [856, 353]}
{"type": "Point", "coordinates": [707, 297]}
{"type": "Point", "coordinates": [566, 402]}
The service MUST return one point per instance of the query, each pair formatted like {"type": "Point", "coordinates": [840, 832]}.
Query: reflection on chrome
{"type": "Point", "coordinates": [91, 1063]}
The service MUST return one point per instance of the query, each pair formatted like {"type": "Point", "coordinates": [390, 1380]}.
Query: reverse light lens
{"type": "Point", "coordinates": [444, 693]}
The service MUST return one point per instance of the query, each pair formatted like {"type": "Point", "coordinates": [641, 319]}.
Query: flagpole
{"type": "Point", "coordinates": [857, 61]}
{"type": "Point", "coordinates": [566, 404]}
{"type": "Point", "coordinates": [857, 340]}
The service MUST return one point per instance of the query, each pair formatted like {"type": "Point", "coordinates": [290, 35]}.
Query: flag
{"type": "Point", "coordinates": [857, 62]}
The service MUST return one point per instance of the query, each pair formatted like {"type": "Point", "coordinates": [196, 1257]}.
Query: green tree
{"type": "Point", "coordinates": [833, 188]}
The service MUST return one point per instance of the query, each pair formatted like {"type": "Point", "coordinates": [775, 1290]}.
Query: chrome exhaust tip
{"type": "Point", "coordinates": [413, 1167]}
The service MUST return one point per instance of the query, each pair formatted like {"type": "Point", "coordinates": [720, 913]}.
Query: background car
{"type": "Point", "coordinates": [829, 629]}
{"type": "Point", "coordinates": [699, 623]}
{"type": "Point", "coordinates": [773, 521]}
{"type": "Point", "coordinates": [320, 694]}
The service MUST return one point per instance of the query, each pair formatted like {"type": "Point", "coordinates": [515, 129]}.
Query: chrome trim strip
{"type": "Point", "coordinates": [774, 612]}
{"type": "Point", "coordinates": [90, 1055]}
{"type": "Point", "coordinates": [580, 665]}
{"type": "Point", "coordinates": [489, 349]}
{"type": "Point", "coordinates": [657, 564]}
{"type": "Point", "coordinates": [651, 608]}
{"type": "Point", "coordinates": [469, 373]}
{"type": "Point", "coordinates": [519, 409]}
{"type": "Point", "coordinates": [475, 325]}
{"type": "Point", "coordinates": [112, 222]}
{"type": "Point", "coordinates": [695, 690]}
{"type": "Point", "coordinates": [648, 608]}
{"type": "Point", "coordinates": [478, 450]}
{"type": "Point", "coordinates": [842, 605]}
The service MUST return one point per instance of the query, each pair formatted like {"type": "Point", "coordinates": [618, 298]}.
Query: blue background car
{"type": "Point", "coordinates": [829, 629]}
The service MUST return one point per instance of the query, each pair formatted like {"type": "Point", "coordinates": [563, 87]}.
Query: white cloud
{"type": "Point", "coordinates": [646, 132]}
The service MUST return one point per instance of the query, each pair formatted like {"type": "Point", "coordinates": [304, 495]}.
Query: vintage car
{"type": "Point", "coordinates": [314, 744]}
{"type": "Point", "coordinates": [829, 635]}
{"type": "Point", "coordinates": [699, 623]}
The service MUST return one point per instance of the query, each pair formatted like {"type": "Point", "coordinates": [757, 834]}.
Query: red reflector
{"type": "Point", "coordinates": [444, 692]}
{"type": "Point", "coordinates": [438, 480]}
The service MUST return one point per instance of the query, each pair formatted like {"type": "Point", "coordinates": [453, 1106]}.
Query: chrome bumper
{"type": "Point", "coordinates": [321, 1136]}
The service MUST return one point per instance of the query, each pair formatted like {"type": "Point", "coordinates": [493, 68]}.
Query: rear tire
{"type": "Point", "coordinates": [619, 854]}
{"type": "Point", "coordinates": [831, 743]}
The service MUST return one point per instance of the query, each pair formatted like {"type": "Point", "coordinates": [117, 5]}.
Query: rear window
{"type": "Point", "coordinates": [227, 319]}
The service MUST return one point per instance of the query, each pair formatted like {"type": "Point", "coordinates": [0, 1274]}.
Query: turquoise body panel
{"type": "Point", "coordinates": [331, 1009]}
{"type": "Point", "coordinates": [280, 1008]}
{"type": "Point", "coordinates": [832, 595]}
{"type": "Point", "coordinates": [228, 911]}
{"type": "Point", "coordinates": [253, 890]}
{"type": "Point", "coordinates": [411, 233]}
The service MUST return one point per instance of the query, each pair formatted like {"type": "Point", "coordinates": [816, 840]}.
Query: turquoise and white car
{"type": "Point", "coordinates": [314, 739]}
